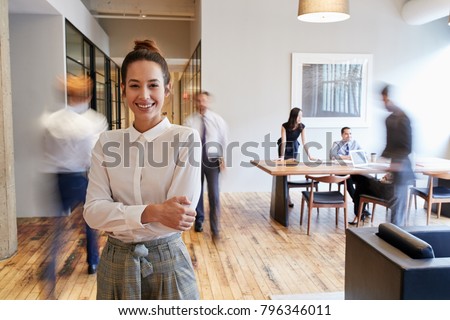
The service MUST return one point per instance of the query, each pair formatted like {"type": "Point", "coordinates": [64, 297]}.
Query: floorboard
{"type": "Point", "coordinates": [256, 257]}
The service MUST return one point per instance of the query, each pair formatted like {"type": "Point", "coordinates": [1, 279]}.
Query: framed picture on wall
{"type": "Point", "coordinates": [331, 89]}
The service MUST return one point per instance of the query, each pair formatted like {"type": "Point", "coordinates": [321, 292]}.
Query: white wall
{"type": "Point", "coordinates": [246, 64]}
{"type": "Point", "coordinates": [34, 39]}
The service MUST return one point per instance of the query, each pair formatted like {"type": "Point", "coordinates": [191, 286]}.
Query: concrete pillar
{"type": "Point", "coordinates": [8, 224]}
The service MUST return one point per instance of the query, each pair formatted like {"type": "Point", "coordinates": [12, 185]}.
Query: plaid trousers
{"type": "Point", "coordinates": [159, 269]}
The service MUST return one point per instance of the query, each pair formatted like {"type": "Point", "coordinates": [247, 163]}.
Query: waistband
{"type": "Point", "coordinates": [148, 244]}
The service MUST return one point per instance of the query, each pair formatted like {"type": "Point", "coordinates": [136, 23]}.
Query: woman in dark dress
{"type": "Point", "coordinates": [288, 145]}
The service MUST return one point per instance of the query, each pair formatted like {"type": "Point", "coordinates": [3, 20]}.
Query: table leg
{"type": "Point", "coordinates": [279, 200]}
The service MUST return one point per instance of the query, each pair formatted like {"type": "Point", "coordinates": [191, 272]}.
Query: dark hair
{"type": "Point", "coordinates": [202, 93]}
{"type": "Point", "coordinates": [343, 129]}
{"type": "Point", "coordinates": [149, 51]}
{"type": "Point", "coordinates": [385, 91]}
{"type": "Point", "coordinates": [293, 115]}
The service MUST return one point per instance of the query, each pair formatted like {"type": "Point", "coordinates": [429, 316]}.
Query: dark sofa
{"type": "Point", "coordinates": [391, 263]}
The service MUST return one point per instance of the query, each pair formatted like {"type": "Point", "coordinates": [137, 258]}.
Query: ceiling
{"type": "Point", "coordinates": [417, 12]}
{"type": "Point", "coordinates": [142, 9]}
{"type": "Point", "coordinates": [414, 12]}
{"type": "Point", "coordinates": [30, 7]}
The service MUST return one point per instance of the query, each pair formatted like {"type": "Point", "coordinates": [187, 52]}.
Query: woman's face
{"type": "Point", "coordinates": [145, 92]}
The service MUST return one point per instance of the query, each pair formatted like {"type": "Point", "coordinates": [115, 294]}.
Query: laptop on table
{"type": "Point", "coordinates": [360, 160]}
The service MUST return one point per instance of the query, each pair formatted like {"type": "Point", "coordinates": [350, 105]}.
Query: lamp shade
{"type": "Point", "coordinates": [323, 11]}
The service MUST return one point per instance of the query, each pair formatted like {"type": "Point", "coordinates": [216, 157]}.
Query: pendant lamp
{"type": "Point", "coordinates": [323, 11]}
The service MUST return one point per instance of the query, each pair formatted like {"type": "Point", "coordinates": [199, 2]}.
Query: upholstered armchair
{"type": "Point", "coordinates": [390, 263]}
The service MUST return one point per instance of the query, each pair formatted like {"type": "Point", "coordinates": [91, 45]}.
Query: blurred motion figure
{"type": "Point", "coordinates": [214, 135]}
{"type": "Point", "coordinates": [69, 137]}
{"type": "Point", "coordinates": [398, 148]}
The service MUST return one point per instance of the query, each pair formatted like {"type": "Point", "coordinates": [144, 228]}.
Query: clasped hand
{"type": "Point", "coordinates": [174, 213]}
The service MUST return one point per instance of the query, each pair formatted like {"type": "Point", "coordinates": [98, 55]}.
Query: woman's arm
{"type": "Point", "coordinates": [283, 142]}
{"type": "Point", "coordinates": [303, 136]}
{"type": "Point", "coordinates": [100, 210]}
{"type": "Point", "coordinates": [174, 213]}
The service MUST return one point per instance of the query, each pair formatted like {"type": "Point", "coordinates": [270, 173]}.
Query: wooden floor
{"type": "Point", "coordinates": [255, 258]}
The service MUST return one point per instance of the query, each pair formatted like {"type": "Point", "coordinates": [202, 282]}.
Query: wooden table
{"type": "Point", "coordinates": [281, 169]}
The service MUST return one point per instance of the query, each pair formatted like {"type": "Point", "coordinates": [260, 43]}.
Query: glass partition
{"type": "Point", "coordinates": [100, 84]}
{"type": "Point", "coordinates": [77, 62]}
{"type": "Point", "coordinates": [190, 83]}
{"type": "Point", "coordinates": [84, 58]}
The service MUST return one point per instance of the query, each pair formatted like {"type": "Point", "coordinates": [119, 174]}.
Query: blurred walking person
{"type": "Point", "coordinates": [69, 137]}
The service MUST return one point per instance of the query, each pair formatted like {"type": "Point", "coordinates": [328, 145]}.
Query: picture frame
{"type": "Point", "coordinates": [331, 89]}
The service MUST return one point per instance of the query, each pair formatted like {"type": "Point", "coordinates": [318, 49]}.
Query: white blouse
{"type": "Point", "coordinates": [69, 136]}
{"type": "Point", "coordinates": [131, 170]}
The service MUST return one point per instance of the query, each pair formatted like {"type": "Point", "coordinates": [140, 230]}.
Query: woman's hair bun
{"type": "Point", "coordinates": [149, 45]}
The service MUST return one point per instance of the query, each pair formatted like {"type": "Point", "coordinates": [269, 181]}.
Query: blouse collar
{"type": "Point", "coordinates": [151, 134]}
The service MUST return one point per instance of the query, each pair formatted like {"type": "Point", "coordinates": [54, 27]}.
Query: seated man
{"type": "Point", "coordinates": [371, 186]}
{"type": "Point", "coordinates": [341, 151]}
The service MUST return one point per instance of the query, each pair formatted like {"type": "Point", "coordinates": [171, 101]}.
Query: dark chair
{"type": "Point", "coordinates": [324, 199]}
{"type": "Point", "coordinates": [364, 198]}
{"type": "Point", "coordinates": [304, 183]}
{"type": "Point", "coordinates": [389, 263]}
{"type": "Point", "coordinates": [432, 194]}
{"type": "Point", "coordinates": [415, 197]}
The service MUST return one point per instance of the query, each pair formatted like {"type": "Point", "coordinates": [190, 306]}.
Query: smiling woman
{"type": "Point", "coordinates": [145, 84]}
{"type": "Point", "coordinates": [144, 93]}
{"type": "Point", "coordinates": [143, 206]}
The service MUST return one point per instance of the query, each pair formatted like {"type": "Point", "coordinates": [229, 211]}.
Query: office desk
{"type": "Point", "coordinates": [279, 170]}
